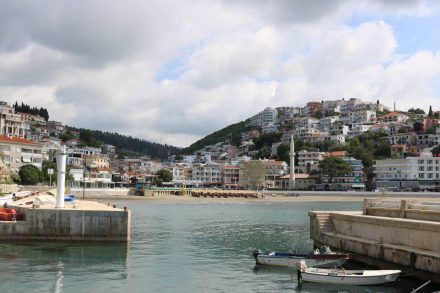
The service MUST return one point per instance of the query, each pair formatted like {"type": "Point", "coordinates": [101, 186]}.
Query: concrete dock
{"type": "Point", "coordinates": [77, 221]}
{"type": "Point", "coordinates": [386, 234]}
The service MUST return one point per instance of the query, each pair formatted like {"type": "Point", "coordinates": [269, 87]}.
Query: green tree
{"type": "Point", "coordinates": [333, 167]}
{"type": "Point", "coordinates": [163, 175]}
{"type": "Point", "coordinates": [416, 111]}
{"type": "Point", "coordinates": [85, 136]}
{"type": "Point", "coordinates": [283, 152]}
{"type": "Point", "coordinates": [253, 173]}
{"type": "Point", "coordinates": [30, 175]}
{"type": "Point", "coordinates": [430, 114]}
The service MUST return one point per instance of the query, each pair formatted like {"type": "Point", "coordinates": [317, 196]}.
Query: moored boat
{"type": "Point", "coordinates": [319, 258]}
{"type": "Point", "coordinates": [349, 277]}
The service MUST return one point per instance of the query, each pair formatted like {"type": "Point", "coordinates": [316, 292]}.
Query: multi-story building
{"type": "Point", "coordinates": [395, 116]}
{"type": "Point", "coordinates": [357, 129]}
{"type": "Point", "coordinates": [49, 147]}
{"type": "Point", "coordinates": [55, 127]}
{"type": "Point", "coordinates": [349, 106]}
{"type": "Point", "coordinates": [32, 119]}
{"type": "Point", "coordinates": [339, 129]}
{"type": "Point", "coordinates": [11, 123]}
{"type": "Point", "coordinates": [96, 162]}
{"type": "Point", "coordinates": [304, 132]}
{"type": "Point", "coordinates": [269, 127]}
{"type": "Point", "coordinates": [18, 152]}
{"type": "Point", "coordinates": [399, 151]}
{"type": "Point", "coordinates": [264, 117]}
{"type": "Point", "coordinates": [312, 109]}
{"type": "Point", "coordinates": [410, 173]}
{"type": "Point", "coordinates": [403, 138]}
{"type": "Point", "coordinates": [364, 116]}
{"type": "Point", "coordinates": [426, 123]}
{"type": "Point", "coordinates": [231, 176]}
{"type": "Point", "coordinates": [331, 107]}
{"type": "Point", "coordinates": [274, 169]}
{"type": "Point", "coordinates": [308, 161]}
{"type": "Point", "coordinates": [209, 174]}
{"type": "Point", "coordinates": [325, 123]}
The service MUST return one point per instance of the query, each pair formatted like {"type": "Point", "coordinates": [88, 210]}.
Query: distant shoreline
{"type": "Point", "coordinates": [267, 199]}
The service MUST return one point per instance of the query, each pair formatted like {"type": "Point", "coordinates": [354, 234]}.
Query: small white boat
{"type": "Point", "coordinates": [349, 277]}
{"type": "Point", "coordinates": [312, 259]}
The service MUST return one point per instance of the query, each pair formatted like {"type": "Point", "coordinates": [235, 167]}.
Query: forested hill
{"type": "Point", "coordinates": [24, 108]}
{"type": "Point", "coordinates": [127, 144]}
{"type": "Point", "coordinates": [231, 133]}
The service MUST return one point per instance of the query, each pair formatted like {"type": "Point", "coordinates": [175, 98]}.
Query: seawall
{"type": "Point", "coordinates": [386, 234]}
{"type": "Point", "coordinates": [82, 221]}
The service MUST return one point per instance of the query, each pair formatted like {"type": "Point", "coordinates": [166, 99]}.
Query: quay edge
{"type": "Point", "coordinates": [387, 234]}
{"type": "Point", "coordinates": [85, 221]}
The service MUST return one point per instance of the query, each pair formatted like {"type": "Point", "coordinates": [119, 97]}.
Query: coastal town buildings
{"type": "Point", "coordinates": [320, 126]}
{"type": "Point", "coordinates": [267, 116]}
{"type": "Point", "coordinates": [17, 152]}
{"type": "Point", "coordinates": [11, 123]}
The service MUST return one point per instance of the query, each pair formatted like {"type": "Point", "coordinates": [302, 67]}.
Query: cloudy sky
{"type": "Point", "coordinates": [172, 71]}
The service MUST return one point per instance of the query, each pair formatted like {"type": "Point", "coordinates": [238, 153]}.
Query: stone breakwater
{"type": "Point", "coordinates": [388, 234]}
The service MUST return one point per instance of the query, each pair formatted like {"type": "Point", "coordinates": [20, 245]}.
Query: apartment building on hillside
{"type": "Point", "coordinates": [18, 152]}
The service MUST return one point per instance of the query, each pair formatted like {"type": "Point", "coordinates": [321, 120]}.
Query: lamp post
{"type": "Point", "coordinates": [84, 181]}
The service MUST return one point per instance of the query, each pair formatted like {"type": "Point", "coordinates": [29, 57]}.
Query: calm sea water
{"type": "Point", "coordinates": [179, 248]}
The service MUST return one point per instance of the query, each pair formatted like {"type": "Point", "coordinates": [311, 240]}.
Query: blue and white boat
{"type": "Point", "coordinates": [315, 258]}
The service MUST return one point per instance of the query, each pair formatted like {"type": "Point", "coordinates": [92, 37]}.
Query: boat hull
{"type": "Point", "coordinates": [350, 277]}
{"type": "Point", "coordinates": [321, 261]}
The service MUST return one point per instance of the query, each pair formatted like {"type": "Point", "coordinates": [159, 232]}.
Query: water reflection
{"type": "Point", "coordinates": [59, 266]}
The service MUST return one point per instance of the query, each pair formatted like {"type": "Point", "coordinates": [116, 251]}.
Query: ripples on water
{"type": "Point", "coordinates": [178, 248]}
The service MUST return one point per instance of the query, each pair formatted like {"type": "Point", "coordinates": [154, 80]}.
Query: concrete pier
{"type": "Point", "coordinates": [386, 234]}
{"type": "Point", "coordinates": [77, 221]}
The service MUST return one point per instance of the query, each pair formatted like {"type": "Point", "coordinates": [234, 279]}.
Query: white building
{"type": "Point", "coordinates": [325, 123]}
{"type": "Point", "coordinates": [208, 174]}
{"type": "Point", "coordinates": [269, 127]}
{"type": "Point", "coordinates": [357, 129]}
{"type": "Point", "coordinates": [11, 124]}
{"type": "Point", "coordinates": [18, 152]}
{"type": "Point", "coordinates": [397, 173]}
{"type": "Point", "coordinates": [364, 116]}
{"type": "Point", "coordinates": [308, 161]}
{"type": "Point", "coordinates": [264, 117]}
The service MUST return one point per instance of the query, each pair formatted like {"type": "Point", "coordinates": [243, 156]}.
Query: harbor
{"type": "Point", "coordinates": [201, 247]}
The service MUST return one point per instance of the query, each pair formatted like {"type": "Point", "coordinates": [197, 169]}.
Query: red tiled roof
{"type": "Point", "coordinates": [337, 154]}
{"type": "Point", "coordinates": [391, 114]}
{"type": "Point", "coordinates": [16, 139]}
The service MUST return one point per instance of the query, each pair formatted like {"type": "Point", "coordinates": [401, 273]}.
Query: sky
{"type": "Point", "coordinates": [173, 71]}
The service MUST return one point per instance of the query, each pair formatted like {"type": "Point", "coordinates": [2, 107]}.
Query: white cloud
{"type": "Point", "coordinates": [173, 71]}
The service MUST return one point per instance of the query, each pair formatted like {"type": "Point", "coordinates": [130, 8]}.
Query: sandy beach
{"type": "Point", "coordinates": [163, 199]}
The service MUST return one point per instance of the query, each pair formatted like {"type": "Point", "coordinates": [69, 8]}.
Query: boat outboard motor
{"type": "Point", "coordinates": [256, 253]}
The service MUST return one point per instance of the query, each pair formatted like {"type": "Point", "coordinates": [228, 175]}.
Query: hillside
{"type": "Point", "coordinates": [231, 133]}
{"type": "Point", "coordinates": [126, 144]}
